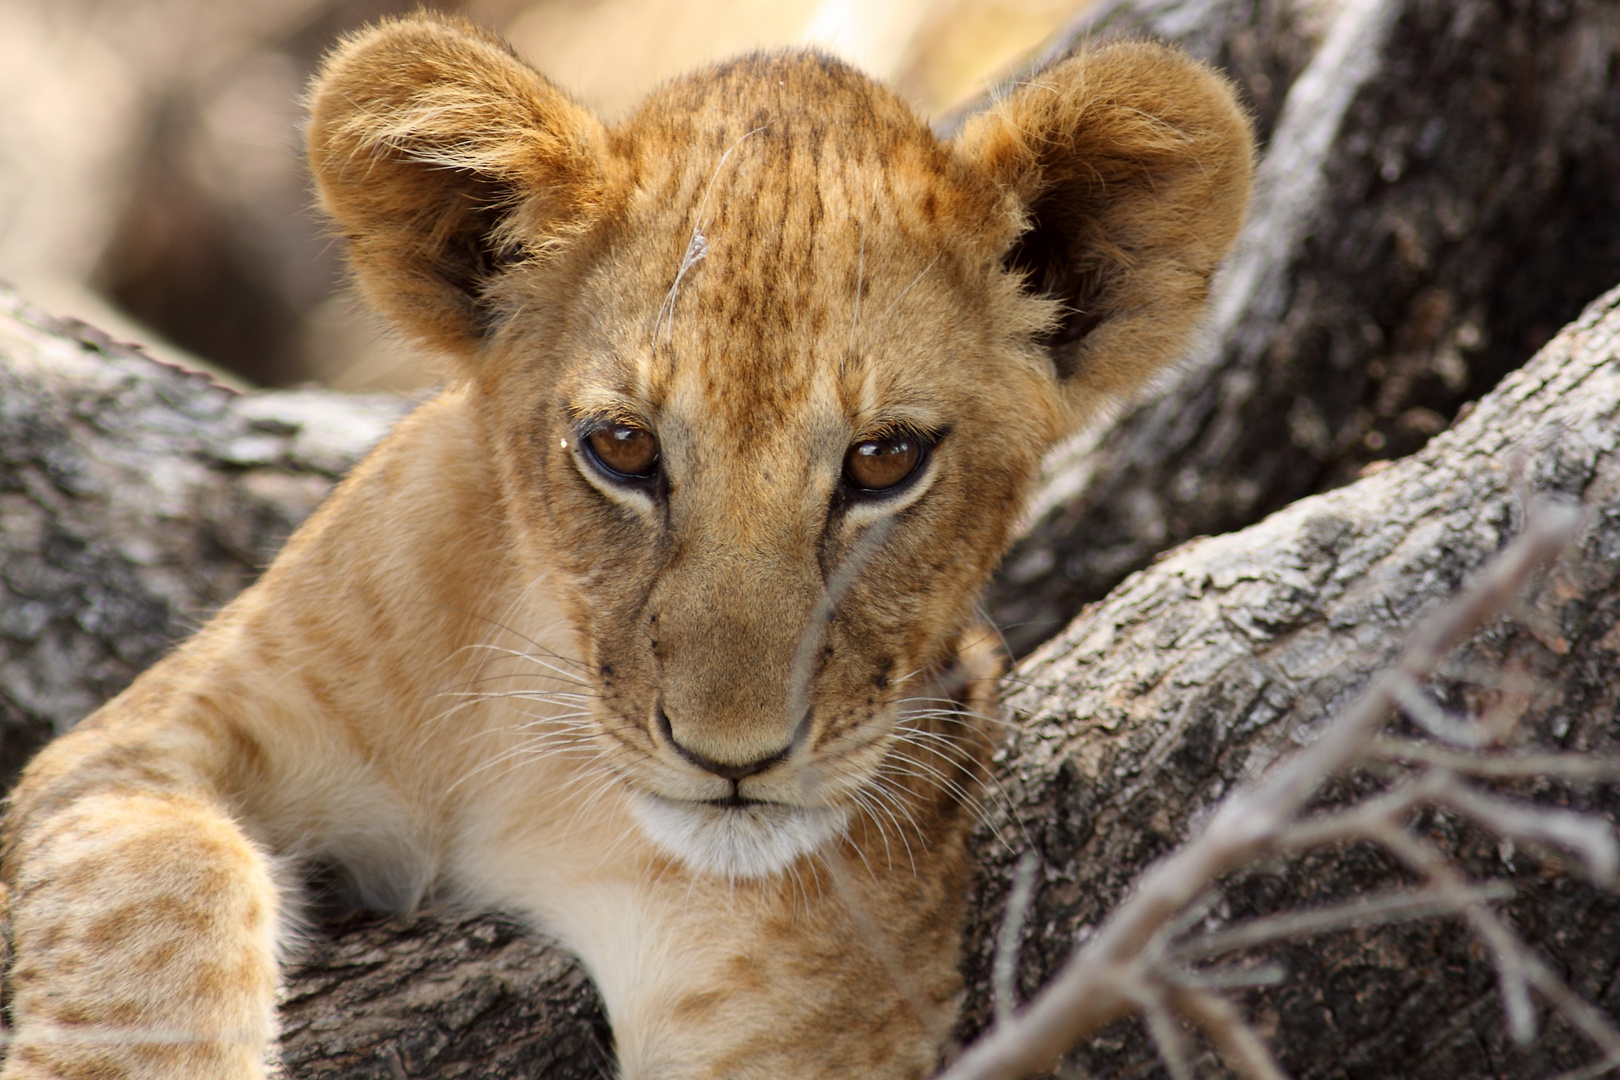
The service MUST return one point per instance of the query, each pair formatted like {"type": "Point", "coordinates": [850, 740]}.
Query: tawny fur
{"type": "Point", "coordinates": [486, 671]}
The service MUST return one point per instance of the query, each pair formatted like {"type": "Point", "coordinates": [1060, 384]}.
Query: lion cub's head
{"type": "Point", "coordinates": [768, 368]}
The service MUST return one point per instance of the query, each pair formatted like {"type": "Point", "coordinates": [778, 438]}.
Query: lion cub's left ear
{"type": "Point", "coordinates": [1127, 171]}
{"type": "Point", "coordinates": [443, 157]}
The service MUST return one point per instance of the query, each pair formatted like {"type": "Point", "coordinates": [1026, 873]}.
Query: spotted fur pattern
{"type": "Point", "coordinates": [718, 728]}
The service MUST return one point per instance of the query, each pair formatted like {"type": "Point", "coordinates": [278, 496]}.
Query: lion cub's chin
{"type": "Point", "coordinates": [753, 841]}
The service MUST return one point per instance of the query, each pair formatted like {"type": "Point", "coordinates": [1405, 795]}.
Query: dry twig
{"type": "Point", "coordinates": [1012, 928]}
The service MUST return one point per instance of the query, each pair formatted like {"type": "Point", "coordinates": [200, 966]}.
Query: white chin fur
{"type": "Point", "coordinates": [736, 842]}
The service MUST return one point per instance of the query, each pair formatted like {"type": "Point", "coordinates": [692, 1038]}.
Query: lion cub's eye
{"type": "Point", "coordinates": [875, 465]}
{"type": "Point", "coordinates": [624, 450]}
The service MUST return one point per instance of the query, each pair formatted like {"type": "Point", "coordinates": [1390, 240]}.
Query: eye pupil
{"type": "Point", "coordinates": [878, 464]}
{"type": "Point", "coordinates": [625, 449]}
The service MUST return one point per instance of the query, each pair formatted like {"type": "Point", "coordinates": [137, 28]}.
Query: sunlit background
{"type": "Point", "coordinates": [150, 176]}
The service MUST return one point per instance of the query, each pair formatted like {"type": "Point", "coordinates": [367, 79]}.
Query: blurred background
{"type": "Point", "coordinates": [151, 178]}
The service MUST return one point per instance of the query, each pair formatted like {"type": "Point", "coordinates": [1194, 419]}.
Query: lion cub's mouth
{"type": "Point", "coordinates": [735, 801]}
{"type": "Point", "coordinates": [736, 837]}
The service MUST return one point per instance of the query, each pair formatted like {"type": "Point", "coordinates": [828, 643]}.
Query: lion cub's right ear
{"type": "Point", "coordinates": [443, 158]}
{"type": "Point", "coordinates": [1126, 168]}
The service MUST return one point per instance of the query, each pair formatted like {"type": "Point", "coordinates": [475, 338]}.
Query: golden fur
{"type": "Point", "coordinates": [715, 727]}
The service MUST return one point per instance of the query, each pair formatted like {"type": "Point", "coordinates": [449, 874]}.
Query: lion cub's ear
{"type": "Point", "coordinates": [443, 157]}
{"type": "Point", "coordinates": [1128, 172]}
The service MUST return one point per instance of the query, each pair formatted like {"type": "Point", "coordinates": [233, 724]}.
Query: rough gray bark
{"type": "Point", "coordinates": [443, 995]}
{"type": "Point", "coordinates": [1437, 198]}
{"type": "Point", "coordinates": [134, 500]}
{"type": "Point", "coordinates": [1196, 673]}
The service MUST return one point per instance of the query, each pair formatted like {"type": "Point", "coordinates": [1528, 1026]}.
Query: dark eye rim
{"type": "Point", "coordinates": [582, 436]}
{"type": "Point", "coordinates": [926, 442]}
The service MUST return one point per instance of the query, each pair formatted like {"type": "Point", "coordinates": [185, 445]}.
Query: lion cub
{"type": "Point", "coordinates": [658, 625]}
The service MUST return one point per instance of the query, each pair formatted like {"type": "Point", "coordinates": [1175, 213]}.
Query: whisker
{"type": "Point", "coordinates": [861, 800]}
{"type": "Point", "coordinates": [518, 654]}
{"type": "Point", "coordinates": [896, 301]}
{"type": "Point", "coordinates": [886, 801]}
{"type": "Point", "coordinates": [450, 687]}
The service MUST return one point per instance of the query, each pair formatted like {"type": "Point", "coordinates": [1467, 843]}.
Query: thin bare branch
{"type": "Point", "coordinates": [1012, 929]}
{"type": "Point", "coordinates": [1504, 765]}
{"type": "Point", "coordinates": [1503, 943]}
{"type": "Point", "coordinates": [815, 630]}
{"type": "Point", "coordinates": [1382, 910]}
{"type": "Point", "coordinates": [1589, 835]}
{"type": "Point", "coordinates": [1592, 1021]}
{"type": "Point", "coordinates": [1224, 978]}
{"type": "Point", "coordinates": [873, 931]}
{"type": "Point", "coordinates": [1238, 1043]}
{"type": "Point", "coordinates": [1481, 675]}
{"type": "Point", "coordinates": [1168, 1037]}
{"type": "Point", "coordinates": [1546, 532]}
{"type": "Point", "coordinates": [1416, 703]}
{"type": "Point", "coordinates": [1358, 822]}
{"type": "Point", "coordinates": [1517, 967]}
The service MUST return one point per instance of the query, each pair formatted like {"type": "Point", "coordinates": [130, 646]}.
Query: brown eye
{"type": "Point", "coordinates": [879, 464]}
{"type": "Point", "coordinates": [624, 449]}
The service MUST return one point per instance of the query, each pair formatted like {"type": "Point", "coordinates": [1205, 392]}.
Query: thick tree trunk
{"type": "Point", "coordinates": [1195, 674]}
{"type": "Point", "coordinates": [1437, 198]}
{"type": "Point", "coordinates": [134, 500]}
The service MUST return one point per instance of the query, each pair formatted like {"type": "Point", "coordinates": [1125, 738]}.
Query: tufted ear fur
{"type": "Point", "coordinates": [443, 158]}
{"type": "Point", "coordinates": [1128, 169]}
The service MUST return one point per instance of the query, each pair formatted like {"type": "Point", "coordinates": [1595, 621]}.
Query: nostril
{"type": "Point", "coordinates": [721, 769]}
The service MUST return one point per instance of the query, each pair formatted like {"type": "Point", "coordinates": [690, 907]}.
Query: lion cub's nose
{"type": "Point", "coordinates": [724, 770]}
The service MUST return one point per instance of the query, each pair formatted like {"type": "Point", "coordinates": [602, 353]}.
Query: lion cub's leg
{"type": "Point", "coordinates": [144, 921]}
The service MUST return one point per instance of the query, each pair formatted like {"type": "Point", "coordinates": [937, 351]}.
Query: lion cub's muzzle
{"type": "Point", "coordinates": [741, 819]}
{"type": "Point", "coordinates": [744, 816]}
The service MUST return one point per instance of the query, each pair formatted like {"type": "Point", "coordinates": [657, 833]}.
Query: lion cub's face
{"type": "Point", "coordinates": [769, 369]}
{"type": "Point", "coordinates": [789, 356]}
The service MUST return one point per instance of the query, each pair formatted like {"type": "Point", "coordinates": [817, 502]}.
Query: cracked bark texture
{"type": "Point", "coordinates": [1436, 199]}
{"type": "Point", "coordinates": [134, 501]}
{"type": "Point", "coordinates": [445, 994]}
{"type": "Point", "coordinates": [1194, 674]}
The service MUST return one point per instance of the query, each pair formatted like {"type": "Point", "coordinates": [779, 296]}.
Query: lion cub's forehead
{"type": "Point", "coordinates": [789, 217]}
